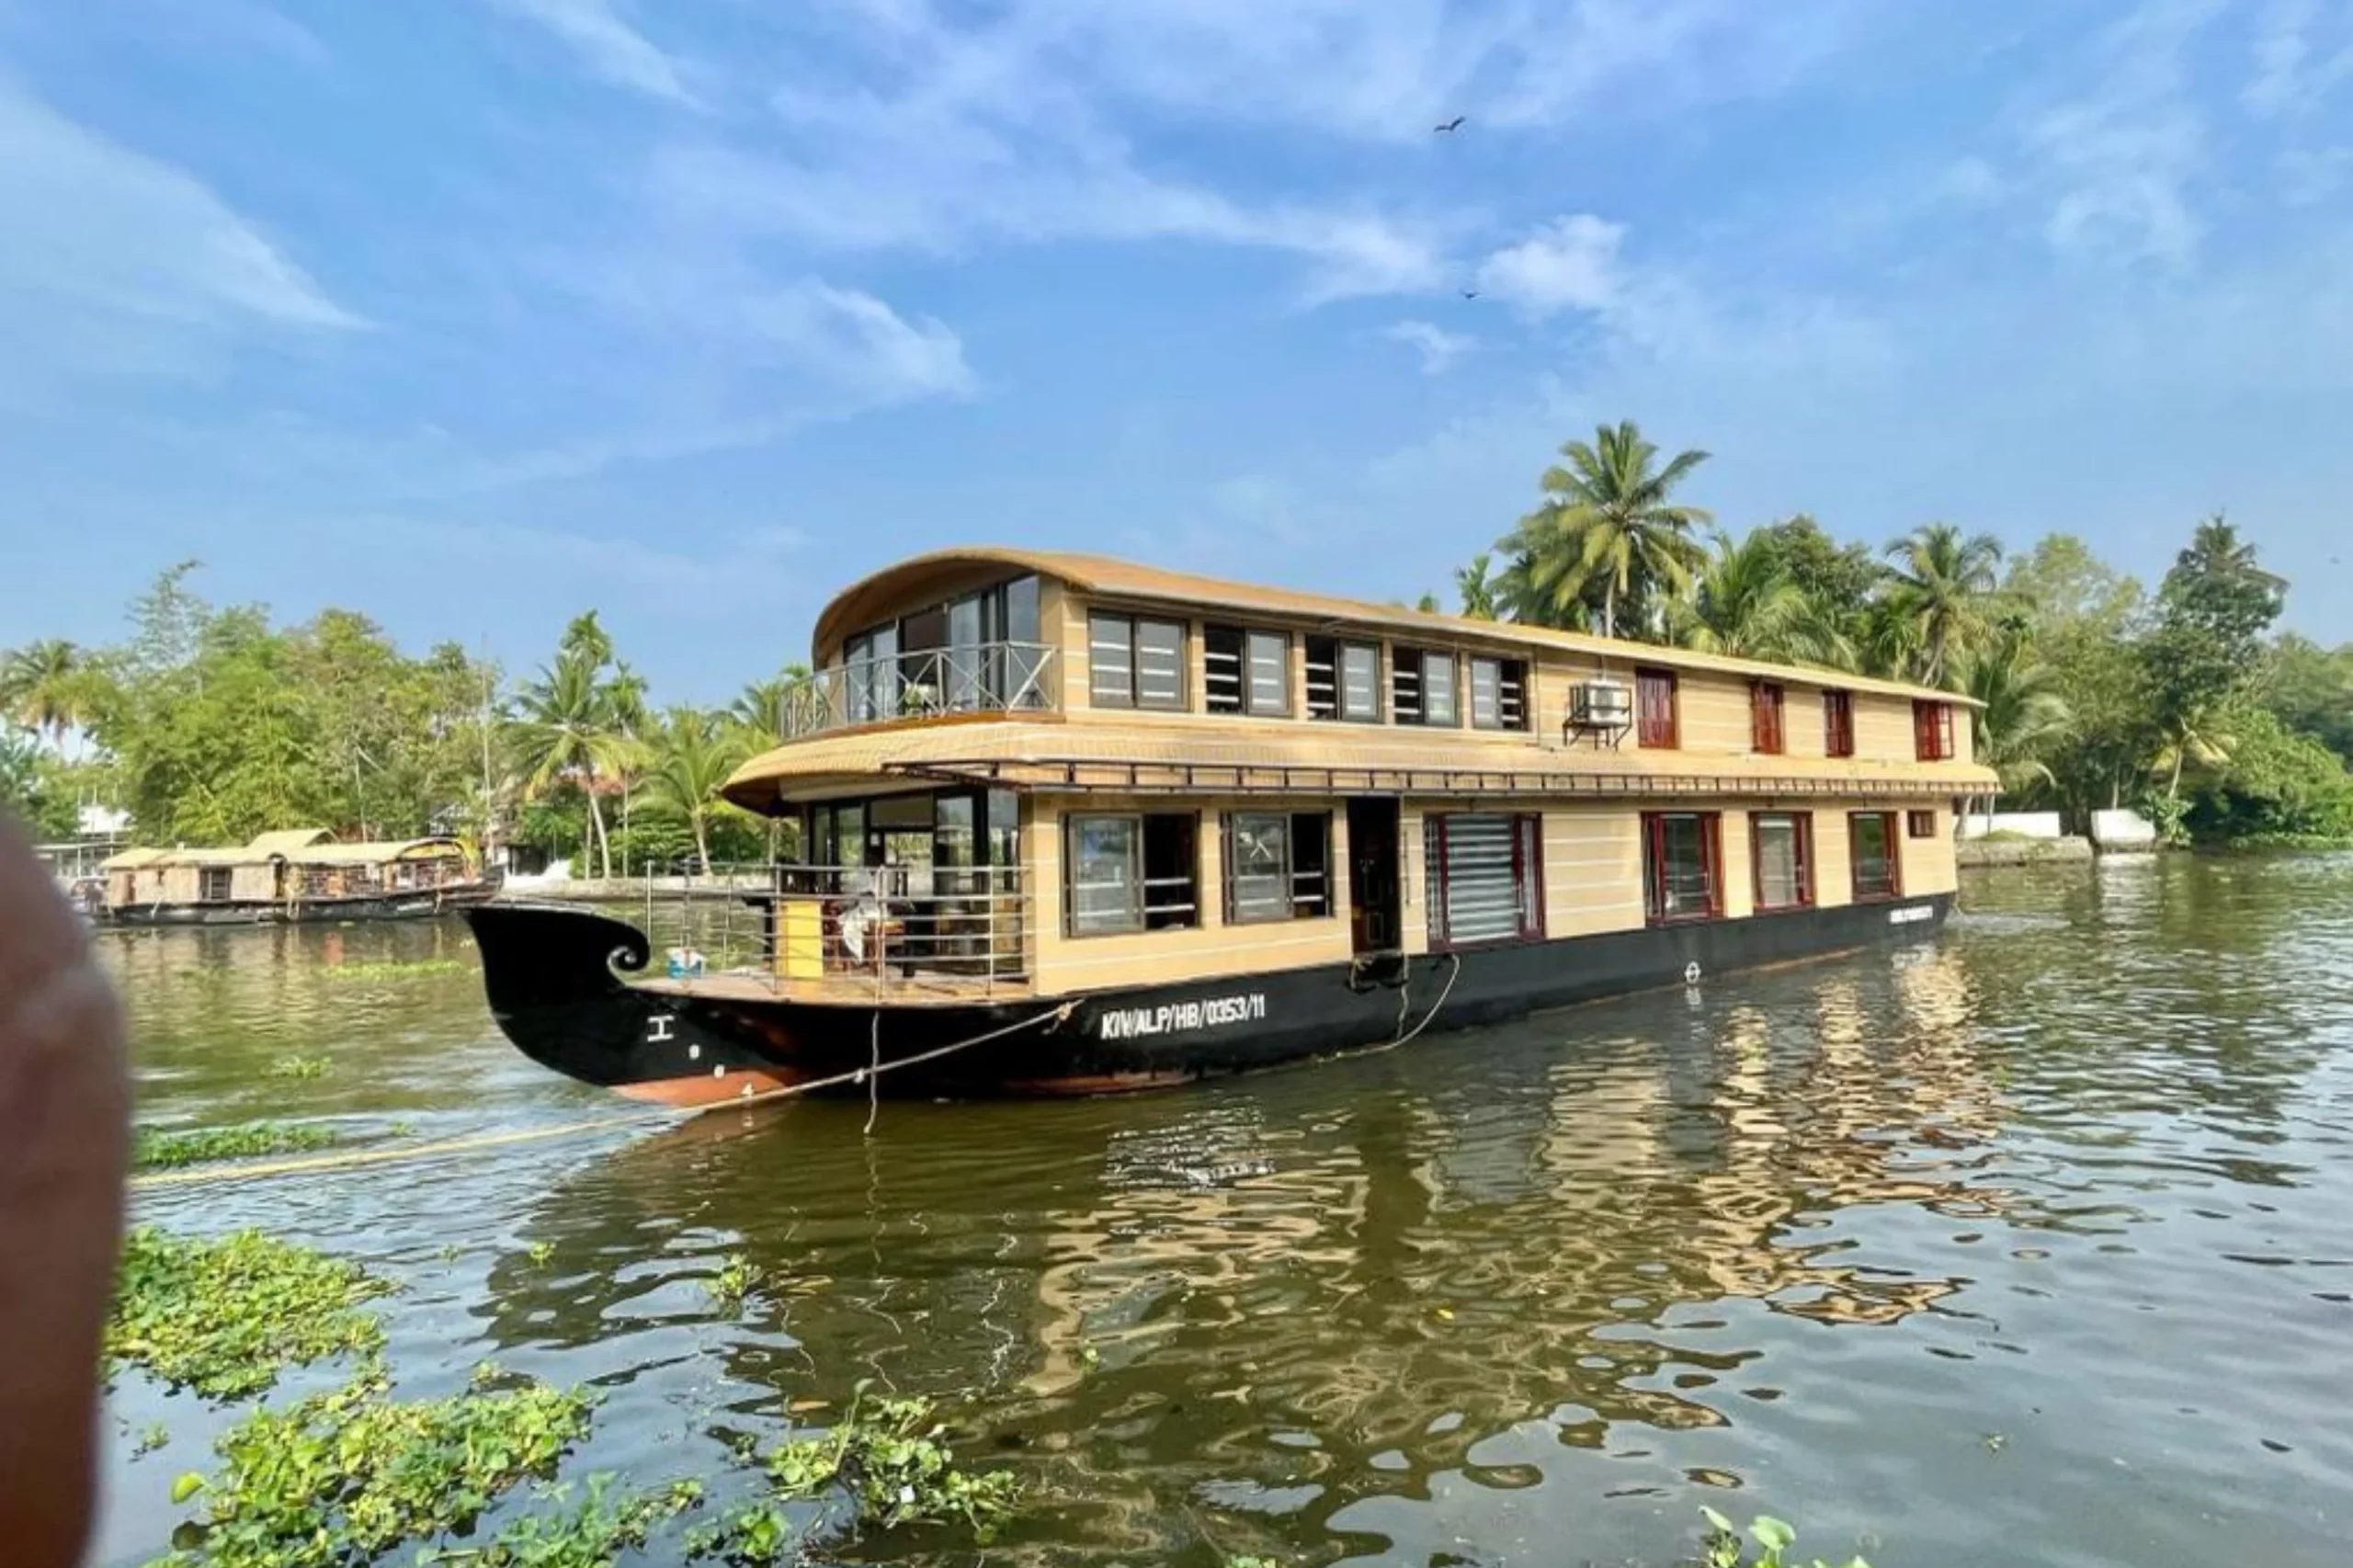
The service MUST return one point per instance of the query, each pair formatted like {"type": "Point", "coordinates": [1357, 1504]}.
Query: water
{"type": "Point", "coordinates": [2032, 1244]}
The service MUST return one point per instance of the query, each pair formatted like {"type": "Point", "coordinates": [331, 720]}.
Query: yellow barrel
{"type": "Point", "coordinates": [800, 940]}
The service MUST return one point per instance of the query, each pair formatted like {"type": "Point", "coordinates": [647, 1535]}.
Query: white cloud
{"type": "Point", "coordinates": [2293, 72]}
{"type": "Point", "coordinates": [2119, 162]}
{"type": "Point", "coordinates": [1439, 347]}
{"type": "Point", "coordinates": [1570, 263]}
{"type": "Point", "coordinates": [119, 262]}
{"type": "Point", "coordinates": [862, 344]}
{"type": "Point", "coordinates": [598, 32]}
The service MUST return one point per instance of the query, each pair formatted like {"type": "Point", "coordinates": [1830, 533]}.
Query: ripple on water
{"type": "Point", "coordinates": [2028, 1242]}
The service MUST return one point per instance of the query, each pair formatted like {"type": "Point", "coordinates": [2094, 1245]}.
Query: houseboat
{"type": "Point", "coordinates": [299, 874]}
{"type": "Point", "coordinates": [1072, 826]}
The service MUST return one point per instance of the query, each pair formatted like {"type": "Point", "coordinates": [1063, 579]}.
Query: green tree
{"type": "Point", "coordinates": [1841, 583]}
{"type": "Point", "coordinates": [1478, 589]}
{"type": "Point", "coordinates": [2310, 688]}
{"type": "Point", "coordinates": [1744, 603]}
{"type": "Point", "coordinates": [1940, 596]}
{"type": "Point", "coordinates": [2279, 783]}
{"type": "Point", "coordinates": [1609, 527]}
{"type": "Point", "coordinates": [44, 686]}
{"type": "Point", "coordinates": [691, 754]}
{"type": "Point", "coordinates": [566, 736]}
{"type": "Point", "coordinates": [2022, 717]}
{"type": "Point", "coordinates": [2213, 610]}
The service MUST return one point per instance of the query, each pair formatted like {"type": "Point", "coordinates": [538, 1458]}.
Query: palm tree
{"type": "Point", "coordinates": [1478, 589]}
{"type": "Point", "coordinates": [1746, 603]}
{"type": "Point", "coordinates": [565, 732]}
{"type": "Point", "coordinates": [43, 687]}
{"type": "Point", "coordinates": [692, 754]}
{"type": "Point", "coordinates": [2201, 737]}
{"type": "Point", "coordinates": [1940, 593]}
{"type": "Point", "coordinates": [2019, 716]}
{"type": "Point", "coordinates": [759, 709]}
{"type": "Point", "coordinates": [1607, 523]}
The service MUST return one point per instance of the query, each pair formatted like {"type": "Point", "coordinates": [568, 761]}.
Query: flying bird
{"type": "Point", "coordinates": [1470, 293]}
{"type": "Point", "coordinates": [1454, 124]}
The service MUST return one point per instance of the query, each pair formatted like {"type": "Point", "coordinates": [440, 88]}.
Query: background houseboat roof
{"type": "Point", "coordinates": [1033, 753]}
{"type": "Point", "coordinates": [1104, 576]}
{"type": "Point", "coordinates": [298, 846]}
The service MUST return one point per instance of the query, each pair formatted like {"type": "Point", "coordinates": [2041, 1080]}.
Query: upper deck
{"type": "Point", "coordinates": [1083, 671]}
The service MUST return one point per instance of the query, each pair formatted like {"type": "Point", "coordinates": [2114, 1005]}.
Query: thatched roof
{"type": "Point", "coordinates": [1107, 577]}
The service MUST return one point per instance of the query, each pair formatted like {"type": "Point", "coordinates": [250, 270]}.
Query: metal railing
{"type": "Point", "coordinates": [888, 927]}
{"type": "Point", "coordinates": [986, 678]}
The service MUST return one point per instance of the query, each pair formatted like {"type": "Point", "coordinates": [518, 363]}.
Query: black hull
{"type": "Point", "coordinates": [428, 905]}
{"type": "Point", "coordinates": [550, 971]}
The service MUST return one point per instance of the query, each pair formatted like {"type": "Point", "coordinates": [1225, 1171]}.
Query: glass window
{"type": "Point", "coordinates": [1258, 867]}
{"type": "Point", "coordinates": [1131, 873]}
{"type": "Point", "coordinates": [1104, 876]}
{"type": "Point", "coordinates": [1270, 672]}
{"type": "Point", "coordinates": [965, 680]}
{"type": "Point", "coordinates": [1360, 682]}
{"type": "Point", "coordinates": [1765, 728]}
{"type": "Point", "coordinates": [1437, 689]}
{"type": "Point", "coordinates": [1160, 664]}
{"type": "Point", "coordinates": [1783, 848]}
{"type": "Point", "coordinates": [1246, 671]}
{"type": "Point", "coordinates": [1655, 722]}
{"type": "Point", "coordinates": [1025, 654]}
{"type": "Point", "coordinates": [214, 884]}
{"type": "Point", "coordinates": [1499, 694]}
{"type": "Point", "coordinates": [1872, 834]}
{"type": "Point", "coordinates": [1485, 875]}
{"type": "Point", "coordinates": [1134, 662]}
{"type": "Point", "coordinates": [1343, 681]}
{"type": "Point", "coordinates": [1277, 865]}
{"type": "Point", "coordinates": [1837, 723]}
{"type": "Point", "coordinates": [1932, 731]}
{"type": "Point", "coordinates": [1919, 824]}
{"type": "Point", "coordinates": [850, 834]}
{"type": "Point", "coordinates": [1110, 660]}
{"type": "Point", "coordinates": [1682, 855]}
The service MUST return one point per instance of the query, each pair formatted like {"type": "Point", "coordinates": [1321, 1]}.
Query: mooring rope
{"type": "Point", "coordinates": [868, 1074]}
{"type": "Point", "coordinates": [1444, 991]}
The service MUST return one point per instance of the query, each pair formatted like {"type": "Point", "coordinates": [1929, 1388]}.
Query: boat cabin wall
{"type": "Point", "coordinates": [1591, 872]}
{"type": "Point", "coordinates": [1715, 713]}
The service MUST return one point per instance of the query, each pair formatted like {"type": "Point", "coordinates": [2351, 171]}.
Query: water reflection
{"type": "Point", "coordinates": [1519, 1296]}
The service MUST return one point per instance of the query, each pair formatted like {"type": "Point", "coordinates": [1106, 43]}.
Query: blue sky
{"type": "Point", "coordinates": [469, 314]}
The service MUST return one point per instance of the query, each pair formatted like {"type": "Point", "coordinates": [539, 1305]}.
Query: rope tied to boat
{"type": "Point", "coordinates": [352, 1159]}
{"type": "Point", "coordinates": [1405, 990]}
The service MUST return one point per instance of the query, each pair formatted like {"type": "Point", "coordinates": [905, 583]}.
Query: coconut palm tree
{"type": "Point", "coordinates": [1608, 525]}
{"type": "Point", "coordinates": [691, 753]}
{"type": "Point", "coordinates": [760, 707]}
{"type": "Point", "coordinates": [44, 687]}
{"type": "Point", "coordinates": [566, 731]}
{"type": "Point", "coordinates": [1478, 589]}
{"type": "Point", "coordinates": [1940, 595]}
{"type": "Point", "coordinates": [1746, 603]}
{"type": "Point", "coordinates": [2020, 715]}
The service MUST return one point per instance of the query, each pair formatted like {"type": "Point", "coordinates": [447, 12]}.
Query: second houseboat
{"type": "Point", "coordinates": [1071, 825]}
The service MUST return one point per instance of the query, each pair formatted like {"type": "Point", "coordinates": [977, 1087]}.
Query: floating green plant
{"type": "Point", "coordinates": [732, 1284]}
{"type": "Point", "coordinates": [394, 968]}
{"type": "Point", "coordinates": [158, 1149]}
{"type": "Point", "coordinates": [225, 1316]}
{"type": "Point", "coordinates": [342, 1478]}
{"type": "Point", "coordinates": [1773, 1539]}
{"type": "Point", "coordinates": [298, 1067]}
{"type": "Point", "coordinates": [886, 1460]}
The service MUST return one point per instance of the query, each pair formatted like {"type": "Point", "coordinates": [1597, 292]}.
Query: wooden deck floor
{"type": "Point", "coordinates": [921, 990]}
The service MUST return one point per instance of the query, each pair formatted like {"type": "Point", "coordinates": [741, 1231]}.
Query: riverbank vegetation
{"type": "Point", "coordinates": [212, 722]}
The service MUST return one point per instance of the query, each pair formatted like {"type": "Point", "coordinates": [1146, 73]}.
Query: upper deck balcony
{"type": "Point", "coordinates": [973, 679]}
